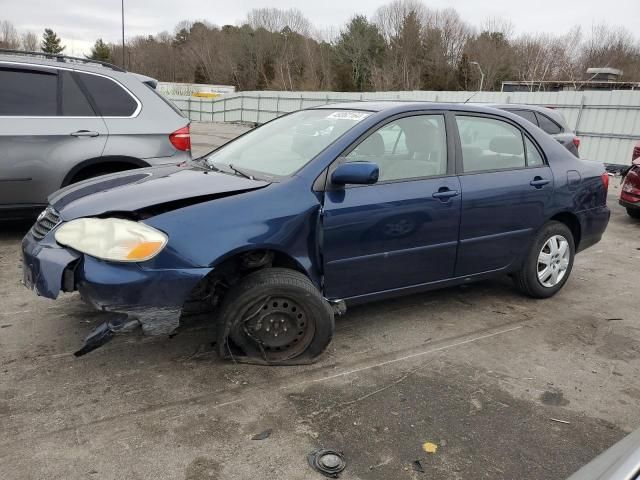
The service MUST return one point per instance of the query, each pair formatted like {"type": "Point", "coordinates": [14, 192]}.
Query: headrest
{"type": "Point", "coordinates": [507, 145]}
{"type": "Point", "coordinates": [421, 137]}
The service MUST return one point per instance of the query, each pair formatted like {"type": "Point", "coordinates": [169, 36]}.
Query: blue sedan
{"type": "Point", "coordinates": [276, 232]}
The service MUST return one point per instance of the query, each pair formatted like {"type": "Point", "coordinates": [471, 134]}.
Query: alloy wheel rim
{"type": "Point", "coordinates": [553, 261]}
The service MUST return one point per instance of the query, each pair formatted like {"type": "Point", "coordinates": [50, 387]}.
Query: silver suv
{"type": "Point", "coordinates": [549, 120]}
{"type": "Point", "coordinates": [66, 119]}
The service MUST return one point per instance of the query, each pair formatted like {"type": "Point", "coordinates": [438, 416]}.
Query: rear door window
{"type": "Point", "coordinates": [111, 99]}
{"type": "Point", "coordinates": [74, 102]}
{"type": "Point", "coordinates": [547, 124]}
{"type": "Point", "coordinates": [28, 93]}
{"type": "Point", "coordinates": [489, 144]}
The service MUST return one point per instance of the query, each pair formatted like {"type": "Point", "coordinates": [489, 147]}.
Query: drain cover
{"type": "Point", "coordinates": [328, 462]}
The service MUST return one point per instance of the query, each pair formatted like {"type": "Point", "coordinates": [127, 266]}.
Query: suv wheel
{"type": "Point", "coordinates": [548, 263]}
{"type": "Point", "coordinates": [275, 316]}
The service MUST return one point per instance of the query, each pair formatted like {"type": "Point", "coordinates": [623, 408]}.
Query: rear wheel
{"type": "Point", "coordinates": [548, 263]}
{"type": "Point", "coordinates": [275, 316]}
{"type": "Point", "coordinates": [634, 213]}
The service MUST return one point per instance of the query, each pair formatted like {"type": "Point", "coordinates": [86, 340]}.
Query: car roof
{"type": "Point", "coordinates": [399, 107]}
{"type": "Point", "coordinates": [60, 61]}
{"type": "Point", "coordinates": [550, 112]}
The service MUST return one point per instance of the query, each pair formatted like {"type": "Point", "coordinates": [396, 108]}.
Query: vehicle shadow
{"type": "Point", "coordinates": [15, 229]}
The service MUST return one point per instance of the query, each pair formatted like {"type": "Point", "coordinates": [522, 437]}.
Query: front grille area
{"type": "Point", "coordinates": [46, 221]}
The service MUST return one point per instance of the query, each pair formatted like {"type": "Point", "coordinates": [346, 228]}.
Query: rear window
{"type": "Point", "coordinates": [547, 124]}
{"type": "Point", "coordinates": [108, 96]}
{"type": "Point", "coordinates": [526, 114]}
{"type": "Point", "coordinates": [28, 93]}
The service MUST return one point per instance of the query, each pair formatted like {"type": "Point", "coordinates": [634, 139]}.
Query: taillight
{"type": "Point", "coordinates": [605, 181]}
{"type": "Point", "coordinates": [576, 142]}
{"type": "Point", "coordinates": [181, 139]}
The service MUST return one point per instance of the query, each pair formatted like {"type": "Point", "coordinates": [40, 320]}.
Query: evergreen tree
{"type": "Point", "coordinates": [51, 43]}
{"type": "Point", "coordinates": [100, 51]}
{"type": "Point", "coordinates": [199, 75]}
{"type": "Point", "coordinates": [359, 48]}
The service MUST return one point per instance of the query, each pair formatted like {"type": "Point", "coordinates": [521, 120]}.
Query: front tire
{"type": "Point", "coordinates": [549, 261]}
{"type": "Point", "coordinates": [275, 316]}
{"type": "Point", "coordinates": [634, 213]}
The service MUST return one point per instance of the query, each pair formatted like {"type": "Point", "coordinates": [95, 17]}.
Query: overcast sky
{"type": "Point", "coordinates": [80, 22]}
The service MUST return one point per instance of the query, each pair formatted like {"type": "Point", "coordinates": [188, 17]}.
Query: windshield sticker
{"type": "Point", "coordinates": [345, 115]}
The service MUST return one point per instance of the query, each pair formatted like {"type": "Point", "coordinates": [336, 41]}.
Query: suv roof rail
{"type": "Point", "coordinates": [60, 58]}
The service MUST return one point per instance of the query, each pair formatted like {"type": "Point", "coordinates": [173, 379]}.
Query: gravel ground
{"type": "Point", "coordinates": [480, 371]}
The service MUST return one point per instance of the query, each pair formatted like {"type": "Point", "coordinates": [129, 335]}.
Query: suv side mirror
{"type": "Point", "coordinates": [356, 173]}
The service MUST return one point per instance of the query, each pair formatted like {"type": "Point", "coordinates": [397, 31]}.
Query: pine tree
{"type": "Point", "coordinates": [100, 51]}
{"type": "Point", "coordinates": [51, 43]}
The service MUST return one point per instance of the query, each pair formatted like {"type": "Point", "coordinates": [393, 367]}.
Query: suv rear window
{"type": "Point", "coordinates": [108, 96]}
{"type": "Point", "coordinates": [526, 114]}
{"type": "Point", "coordinates": [28, 93]}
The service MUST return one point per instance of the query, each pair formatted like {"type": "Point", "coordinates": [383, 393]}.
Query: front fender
{"type": "Point", "coordinates": [282, 217]}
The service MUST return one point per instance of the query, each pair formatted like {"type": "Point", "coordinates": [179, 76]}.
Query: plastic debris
{"type": "Point", "coordinates": [417, 466]}
{"type": "Point", "coordinates": [262, 435]}
{"type": "Point", "coordinates": [328, 462]}
{"type": "Point", "coordinates": [430, 447]}
{"type": "Point", "coordinates": [560, 421]}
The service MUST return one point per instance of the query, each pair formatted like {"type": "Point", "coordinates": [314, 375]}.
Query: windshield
{"type": "Point", "coordinates": [284, 146]}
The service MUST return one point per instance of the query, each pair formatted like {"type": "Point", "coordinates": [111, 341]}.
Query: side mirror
{"type": "Point", "coordinates": [356, 173]}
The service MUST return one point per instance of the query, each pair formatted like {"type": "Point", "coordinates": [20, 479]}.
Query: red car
{"type": "Point", "coordinates": [630, 195]}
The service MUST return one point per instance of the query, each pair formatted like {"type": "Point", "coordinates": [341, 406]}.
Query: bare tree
{"type": "Point", "coordinates": [9, 37]}
{"type": "Point", "coordinates": [30, 41]}
{"type": "Point", "coordinates": [275, 20]}
{"type": "Point", "coordinates": [391, 17]}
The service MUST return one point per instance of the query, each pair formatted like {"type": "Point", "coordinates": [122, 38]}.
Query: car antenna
{"type": "Point", "coordinates": [472, 95]}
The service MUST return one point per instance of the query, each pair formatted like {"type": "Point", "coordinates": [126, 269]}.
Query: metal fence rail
{"type": "Point", "coordinates": [608, 122]}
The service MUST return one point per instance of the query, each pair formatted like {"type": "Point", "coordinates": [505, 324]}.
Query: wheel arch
{"type": "Point", "coordinates": [280, 258]}
{"type": "Point", "coordinates": [232, 267]}
{"type": "Point", "coordinates": [573, 223]}
{"type": "Point", "coordinates": [117, 161]}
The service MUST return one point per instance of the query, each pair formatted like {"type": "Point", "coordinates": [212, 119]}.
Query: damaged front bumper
{"type": "Point", "coordinates": [150, 298]}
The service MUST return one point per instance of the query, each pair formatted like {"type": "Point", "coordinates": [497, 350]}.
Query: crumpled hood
{"type": "Point", "coordinates": [146, 187]}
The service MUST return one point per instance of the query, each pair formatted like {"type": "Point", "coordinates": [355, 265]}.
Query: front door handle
{"type": "Point", "coordinates": [85, 133]}
{"type": "Point", "coordinates": [539, 182]}
{"type": "Point", "coordinates": [445, 194]}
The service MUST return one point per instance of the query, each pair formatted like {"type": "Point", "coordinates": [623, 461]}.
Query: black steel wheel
{"type": "Point", "coordinates": [275, 316]}
{"type": "Point", "coordinates": [278, 326]}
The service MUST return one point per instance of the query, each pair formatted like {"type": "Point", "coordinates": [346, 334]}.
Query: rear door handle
{"type": "Point", "coordinates": [84, 133]}
{"type": "Point", "coordinates": [539, 182]}
{"type": "Point", "coordinates": [444, 194]}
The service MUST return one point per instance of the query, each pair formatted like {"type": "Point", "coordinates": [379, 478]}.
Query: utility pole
{"type": "Point", "coordinates": [123, 66]}
{"type": "Point", "coordinates": [481, 73]}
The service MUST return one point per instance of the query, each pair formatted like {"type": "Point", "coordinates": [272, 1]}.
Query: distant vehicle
{"type": "Point", "coordinates": [549, 120]}
{"type": "Point", "coordinates": [317, 210]}
{"type": "Point", "coordinates": [620, 462]}
{"type": "Point", "coordinates": [630, 194]}
{"type": "Point", "coordinates": [65, 119]}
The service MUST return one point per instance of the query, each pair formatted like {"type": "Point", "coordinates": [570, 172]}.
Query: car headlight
{"type": "Point", "coordinates": [112, 239]}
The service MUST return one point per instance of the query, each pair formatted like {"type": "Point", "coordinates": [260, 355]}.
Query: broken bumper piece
{"type": "Point", "coordinates": [148, 298]}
